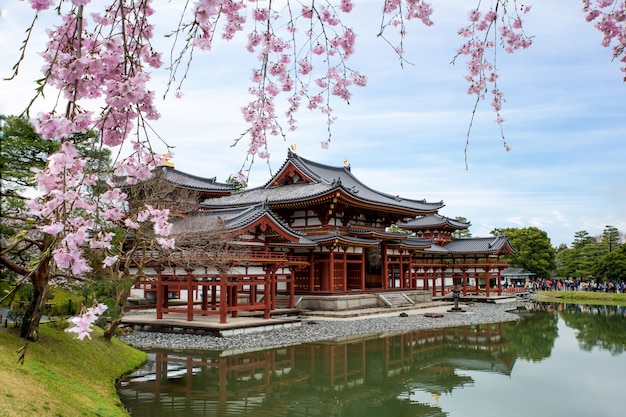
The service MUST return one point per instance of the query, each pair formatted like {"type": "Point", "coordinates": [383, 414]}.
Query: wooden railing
{"type": "Point", "coordinates": [461, 264]}
{"type": "Point", "coordinates": [257, 257]}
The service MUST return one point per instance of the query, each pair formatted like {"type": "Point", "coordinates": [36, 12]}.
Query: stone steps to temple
{"type": "Point", "coordinates": [395, 299]}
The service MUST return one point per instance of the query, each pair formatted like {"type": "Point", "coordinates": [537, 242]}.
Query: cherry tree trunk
{"type": "Point", "coordinates": [40, 279]}
{"type": "Point", "coordinates": [122, 297]}
{"type": "Point", "coordinates": [32, 316]}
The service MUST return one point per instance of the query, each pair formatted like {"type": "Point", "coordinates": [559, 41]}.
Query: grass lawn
{"type": "Point", "coordinates": [61, 375]}
{"type": "Point", "coordinates": [583, 297]}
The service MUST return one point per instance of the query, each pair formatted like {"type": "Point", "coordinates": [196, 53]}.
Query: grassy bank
{"type": "Point", "coordinates": [63, 376]}
{"type": "Point", "coordinates": [583, 297]}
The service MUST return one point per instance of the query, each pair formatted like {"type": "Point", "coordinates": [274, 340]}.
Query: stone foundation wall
{"type": "Point", "coordinates": [353, 302]}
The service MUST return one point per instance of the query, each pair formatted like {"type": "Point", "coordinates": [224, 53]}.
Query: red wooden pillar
{"type": "Point", "coordinates": [331, 270]}
{"type": "Point", "coordinates": [274, 287]}
{"type": "Point", "coordinates": [362, 268]}
{"type": "Point", "coordinates": [345, 269]}
{"type": "Point", "coordinates": [252, 294]}
{"type": "Point", "coordinates": [223, 298]}
{"type": "Point", "coordinates": [464, 279]}
{"type": "Point", "coordinates": [431, 276]}
{"type": "Point", "coordinates": [443, 284]}
{"type": "Point", "coordinates": [385, 272]}
{"type": "Point", "coordinates": [159, 296]}
{"type": "Point", "coordinates": [205, 298]}
{"type": "Point", "coordinates": [292, 289]}
{"type": "Point", "coordinates": [266, 288]}
{"type": "Point", "coordinates": [234, 297]}
{"type": "Point", "coordinates": [189, 294]}
{"type": "Point", "coordinates": [487, 283]}
{"type": "Point", "coordinates": [401, 271]}
{"type": "Point", "coordinates": [311, 272]}
{"type": "Point", "coordinates": [213, 294]}
{"type": "Point", "coordinates": [327, 278]}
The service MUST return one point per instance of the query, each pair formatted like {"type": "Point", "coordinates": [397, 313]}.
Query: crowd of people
{"type": "Point", "coordinates": [575, 285]}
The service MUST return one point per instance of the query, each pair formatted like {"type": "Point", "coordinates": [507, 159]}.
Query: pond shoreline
{"type": "Point", "coordinates": [317, 329]}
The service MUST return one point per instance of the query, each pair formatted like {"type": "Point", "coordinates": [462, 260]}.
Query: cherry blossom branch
{"type": "Point", "coordinates": [393, 11]}
{"type": "Point", "coordinates": [482, 70]}
{"type": "Point", "coordinates": [106, 63]}
{"type": "Point", "coordinates": [25, 42]}
{"type": "Point", "coordinates": [609, 17]}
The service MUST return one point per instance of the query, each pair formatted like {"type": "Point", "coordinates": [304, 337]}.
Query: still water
{"type": "Point", "coordinates": [558, 360]}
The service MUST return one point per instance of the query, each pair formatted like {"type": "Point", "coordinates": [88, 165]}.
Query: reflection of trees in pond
{"type": "Point", "coordinates": [532, 338]}
{"type": "Point", "coordinates": [602, 326]}
{"type": "Point", "coordinates": [395, 407]}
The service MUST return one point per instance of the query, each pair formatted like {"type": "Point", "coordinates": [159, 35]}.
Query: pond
{"type": "Point", "coordinates": [565, 360]}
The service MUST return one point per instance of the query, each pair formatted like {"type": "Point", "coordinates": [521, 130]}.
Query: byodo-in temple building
{"type": "Point", "coordinates": [314, 237]}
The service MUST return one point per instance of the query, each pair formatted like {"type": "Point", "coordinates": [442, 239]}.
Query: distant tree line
{"type": "Point", "coordinates": [589, 258]}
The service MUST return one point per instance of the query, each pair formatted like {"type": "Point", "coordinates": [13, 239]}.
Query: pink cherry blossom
{"type": "Point", "coordinates": [41, 5]}
{"type": "Point", "coordinates": [109, 260]}
{"type": "Point", "coordinates": [83, 322]}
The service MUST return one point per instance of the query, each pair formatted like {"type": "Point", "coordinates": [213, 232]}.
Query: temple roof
{"type": "Point", "coordinates": [411, 243]}
{"type": "Point", "coordinates": [375, 234]}
{"type": "Point", "coordinates": [433, 221]}
{"type": "Point", "coordinates": [293, 192]}
{"type": "Point", "coordinates": [337, 239]}
{"type": "Point", "coordinates": [191, 181]}
{"type": "Point", "coordinates": [480, 245]}
{"type": "Point", "coordinates": [300, 180]}
{"type": "Point", "coordinates": [238, 219]}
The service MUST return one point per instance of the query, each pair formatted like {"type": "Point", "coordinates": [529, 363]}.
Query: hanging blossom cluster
{"type": "Point", "coordinates": [609, 17]}
{"type": "Point", "coordinates": [103, 59]}
{"type": "Point", "coordinates": [83, 322]}
{"type": "Point", "coordinates": [397, 11]}
{"type": "Point", "coordinates": [306, 61]}
{"type": "Point", "coordinates": [486, 30]}
{"type": "Point", "coordinates": [313, 38]}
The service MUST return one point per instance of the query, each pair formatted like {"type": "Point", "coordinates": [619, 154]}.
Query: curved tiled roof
{"type": "Point", "coordinates": [433, 221]}
{"type": "Point", "coordinates": [412, 243]}
{"type": "Point", "coordinates": [477, 245]}
{"type": "Point", "coordinates": [379, 235]}
{"type": "Point", "coordinates": [233, 219]}
{"type": "Point", "coordinates": [474, 246]}
{"type": "Point", "coordinates": [338, 238]}
{"type": "Point", "coordinates": [342, 175]}
{"type": "Point", "coordinates": [326, 180]}
{"type": "Point", "coordinates": [436, 249]}
{"type": "Point", "coordinates": [194, 182]}
{"type": "Point", "coordinates": [293, 192]}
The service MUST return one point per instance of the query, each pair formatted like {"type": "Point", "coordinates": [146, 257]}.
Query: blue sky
{"type": "Point", "coordinates": [405, 132]}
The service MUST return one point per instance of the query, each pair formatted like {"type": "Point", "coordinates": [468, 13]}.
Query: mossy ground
{"type": "Point", "coordinates": [583, 297]}
{"type": "Point", "coordinates": [62, 376]}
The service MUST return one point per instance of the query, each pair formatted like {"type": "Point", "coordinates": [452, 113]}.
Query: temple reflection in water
{"type": "Point", "coordinates": [361, 377]}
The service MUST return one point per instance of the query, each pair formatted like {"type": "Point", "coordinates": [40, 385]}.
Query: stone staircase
{"type": "Point", "coordinates": [395, 299]}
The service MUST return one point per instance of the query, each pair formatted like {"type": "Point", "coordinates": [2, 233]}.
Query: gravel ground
{"type": "Point", "coordinates": [315, 329]}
